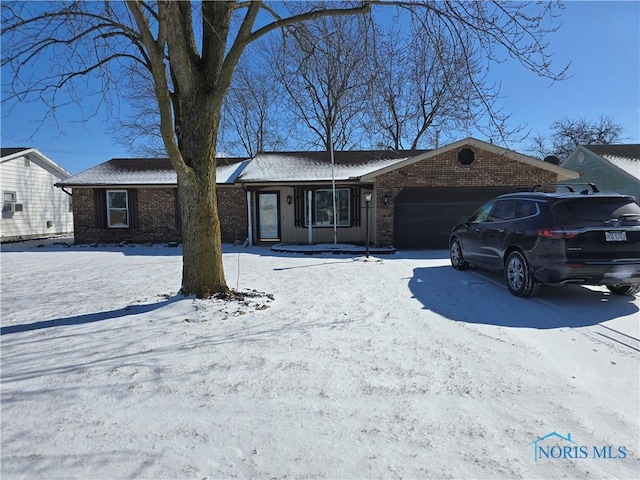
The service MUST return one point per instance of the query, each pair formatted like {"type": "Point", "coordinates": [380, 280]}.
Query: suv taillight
{"type": "Point", "coordinates": [554, 233]}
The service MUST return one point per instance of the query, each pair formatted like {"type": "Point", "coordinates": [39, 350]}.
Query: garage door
{"type": "Point", "coordinates": [424, 217]}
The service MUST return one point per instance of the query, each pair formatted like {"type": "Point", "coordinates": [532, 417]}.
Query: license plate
{"type": "Point", "coordinates": [615, 236]}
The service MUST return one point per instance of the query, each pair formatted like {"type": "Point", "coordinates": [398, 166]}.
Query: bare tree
{"type": "Point", "coordinates": [191, 51]}
{"type": "Point", "coordinates": [423, 79]}
{"type": "Point", "coordinates": [251, 120]}
{"type": "Point", "coordinates": [138, 127]}
{"type": "Point", "coordinates": [320, 65]}
{"type": "Point", "coordinates": [567, 134]}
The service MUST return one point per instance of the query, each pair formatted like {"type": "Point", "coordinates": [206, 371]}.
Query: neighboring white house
{"type": "Point", "coordinates": [612, 168]}
{"type": "Point", "coordinates": [32, 207]}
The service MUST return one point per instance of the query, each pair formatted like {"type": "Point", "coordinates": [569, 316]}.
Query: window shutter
{"type": "Point", "coordinates": [132, 195]}
{"type": "Point", "coordinates": [176, 208]}
{"type": "Point", "coordinates": [355, 207]}
{"type": "Point", "coordinates": [100, 203]}
{"type": "Point", "coordinates": [298, 207]}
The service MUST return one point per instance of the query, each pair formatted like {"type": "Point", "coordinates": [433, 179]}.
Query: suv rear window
{"type": "Point", "coordinates": [596, 209]}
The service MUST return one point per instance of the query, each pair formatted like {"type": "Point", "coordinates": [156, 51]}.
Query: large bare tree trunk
{"type": "Point", "coordinates": [202, 268]}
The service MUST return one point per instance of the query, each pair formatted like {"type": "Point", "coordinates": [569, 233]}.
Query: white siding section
{"type": "Point", "coordinates": [45, 208]}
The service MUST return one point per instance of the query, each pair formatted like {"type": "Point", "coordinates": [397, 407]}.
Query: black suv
{"type": "Point", "coordinates": [554, 238]}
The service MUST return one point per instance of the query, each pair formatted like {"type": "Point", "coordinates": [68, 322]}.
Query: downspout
{"type": "Point", "coordinates": [68, 193]}
{"type": "Point", "coordinates": [249, 220]}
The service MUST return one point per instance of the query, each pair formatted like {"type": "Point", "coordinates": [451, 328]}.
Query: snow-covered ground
{"type": "Point", "coordinates": [396, 367]}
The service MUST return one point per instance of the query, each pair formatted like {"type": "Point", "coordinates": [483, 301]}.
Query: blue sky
{"type": "Point", "coordinates": [600, 39]}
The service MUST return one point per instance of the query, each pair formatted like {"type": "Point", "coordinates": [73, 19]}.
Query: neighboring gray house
{"type": "Point", "coordinates": [31, 205]}
{"type": "Point", "coordinates": [612, 168]}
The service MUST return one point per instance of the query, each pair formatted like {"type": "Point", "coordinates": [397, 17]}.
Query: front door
{"type": "Point", "coordinates": [268, 217]}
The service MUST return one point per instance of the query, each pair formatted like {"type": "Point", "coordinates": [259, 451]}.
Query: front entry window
{"type": "Point", "coordinates": [323, 208]}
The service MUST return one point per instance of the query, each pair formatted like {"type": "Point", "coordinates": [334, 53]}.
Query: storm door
{"type": "Point", "coordinates": [268, 216]}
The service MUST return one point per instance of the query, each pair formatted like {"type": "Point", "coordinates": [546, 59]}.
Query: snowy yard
{"type": "Point", "coordinates": [397, 368]}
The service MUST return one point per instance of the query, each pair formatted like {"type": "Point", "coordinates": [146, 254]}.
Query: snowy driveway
{"type": "Point", "coordinates": [395, 368]}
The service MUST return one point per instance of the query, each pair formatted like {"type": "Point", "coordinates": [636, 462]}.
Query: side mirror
{"type": "Point", "coordinates": [465, 220]}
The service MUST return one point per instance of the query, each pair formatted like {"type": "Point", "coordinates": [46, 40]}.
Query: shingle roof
{"type": "Point", "coordinates": [626, 157]}
{"type": "Point", "coordinates": [282, 167]}
{"type": "Point", "coordinates": [144, 171]}
{"type": "Point", "coordinates": [316, 166]}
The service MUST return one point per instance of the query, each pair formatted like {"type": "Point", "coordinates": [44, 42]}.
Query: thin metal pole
{"type": "Point", "coordinates": [333, 186]}
{"type": "Point", "coordinates": [367, 228]}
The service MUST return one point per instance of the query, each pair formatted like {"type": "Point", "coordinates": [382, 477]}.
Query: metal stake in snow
{"type": "Point", "coordinates": [333, 185]}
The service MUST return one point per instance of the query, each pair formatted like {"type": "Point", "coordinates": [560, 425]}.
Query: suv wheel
{"type": "Point", "coordinates": [455, 254]}
{"type": "Point", "coordinates": [518, 276]}
{"type": "Point", "coordinates": [624, 289]}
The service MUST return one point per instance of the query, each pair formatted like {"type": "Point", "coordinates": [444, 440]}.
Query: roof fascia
{"type": "Point", "coordinates": [299, 183]}
{"type": "Point", "coordinates": [127, 185]}
{"type": "Point", "coordinates": [115, 185]}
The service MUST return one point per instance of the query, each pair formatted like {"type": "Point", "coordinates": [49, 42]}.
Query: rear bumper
{"type": "Point", "coordinates": [591, 273]}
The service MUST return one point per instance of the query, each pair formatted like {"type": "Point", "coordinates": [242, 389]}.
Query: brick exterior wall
{"type": "Point", "coordinates": [156, 219]}
{"type": "Point", "coordinates": [156, 206]}
{"type": "Point", "coordinates": [487, 170]}
{"type": "Point", "coordinates": [232, 208]}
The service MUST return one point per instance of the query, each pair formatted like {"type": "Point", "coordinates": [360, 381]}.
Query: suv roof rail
{"type": "Point", "coordinates": [568, 186]}
{"type": "Point", "coordinates": [535, 188]}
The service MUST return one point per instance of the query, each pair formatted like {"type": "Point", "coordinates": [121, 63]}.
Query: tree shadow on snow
{"type": "Point", "coordinates": [89, 318]}
{"type": "Point", "coordinates": [475, 296]}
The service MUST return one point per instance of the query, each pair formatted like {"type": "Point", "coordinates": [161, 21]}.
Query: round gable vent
{"type": "Point", "coordinates": [466, 156]}
{"type": "Point", "coordinates": [581, 157]}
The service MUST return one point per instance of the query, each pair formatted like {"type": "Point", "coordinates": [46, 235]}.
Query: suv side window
{"type": "Point", "coordinates": [504, 210]}
{"type": "Point", "coordinates": [482, 214]}
{"type": "Point", "coordinates": [526, 208]}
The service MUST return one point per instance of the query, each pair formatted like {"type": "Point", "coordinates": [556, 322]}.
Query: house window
{"type": "Point", "coordinates": [323, 208]}
{"type": "Point", "coordinates": [9, 202]}
{"type": "Point", "coordinates": [117, 209]}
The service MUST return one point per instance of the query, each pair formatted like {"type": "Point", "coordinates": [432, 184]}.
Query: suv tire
{"type": "Point", "coordinates": [624, 289]}
{"type": "Point", "coordinates": [518, 276]}
{"type": "Point", "coordinates": [455, 254]}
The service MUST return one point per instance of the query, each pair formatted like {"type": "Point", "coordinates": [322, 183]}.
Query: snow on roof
{"type": "Point", "coordinates": [145, 171]}
{"type": "Point", "coordinates": [316, 166]}
{"type": "Point", "coordinates": [625, 157]}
